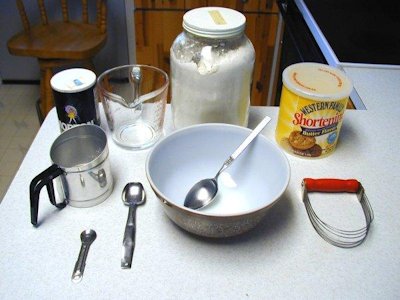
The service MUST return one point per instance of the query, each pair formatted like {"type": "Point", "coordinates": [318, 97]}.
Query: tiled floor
{"type": "Point", "coordinates": [18, 126]}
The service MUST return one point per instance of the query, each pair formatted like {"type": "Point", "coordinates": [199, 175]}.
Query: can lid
{"type": "Point", "coordinates": [73, 80]}
{"type": "Point", "coordinates": [214, 22]}
{"type": "Point", "coordinates": [317, 81]}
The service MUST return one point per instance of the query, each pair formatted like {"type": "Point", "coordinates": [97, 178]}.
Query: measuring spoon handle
{"type": "Point", "coordinates": [80, 263]}
{"type": "Point", "coordinates": [128, 244]}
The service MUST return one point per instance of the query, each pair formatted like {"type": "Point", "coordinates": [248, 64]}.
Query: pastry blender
{"type": "Point", "coordinates": [338, 237]}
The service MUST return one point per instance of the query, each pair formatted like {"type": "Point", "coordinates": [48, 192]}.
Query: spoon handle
{"type": "Point", "coordinates": [251, 137]}
{"type": "Point", "coordinates": [136, 80]}
{"type": "Point", "coordinates": [244, 144]}
{"type": "Point", "coordinates": [128, 244]}
{"type": "Point", "coordinates": [81, 262]}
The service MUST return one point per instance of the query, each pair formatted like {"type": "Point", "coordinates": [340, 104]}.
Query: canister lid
{"type": "Point", "coordinates": [214, 22]}
{"type": "Point", "coordinates": [73, 80]}
{"type": "Point", "coordinates": [317, 81]}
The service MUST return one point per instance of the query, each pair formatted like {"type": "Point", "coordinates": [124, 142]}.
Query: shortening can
{"type": "Point", "coordinates": [313, 101]}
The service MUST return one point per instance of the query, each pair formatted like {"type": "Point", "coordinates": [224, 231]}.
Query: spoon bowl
{"type": "Point", "coordinates": [88, 236]}
{"type": "Point", "coordinates": [133, 194]}
{"type": "Point", "coordinates": [202, 193]}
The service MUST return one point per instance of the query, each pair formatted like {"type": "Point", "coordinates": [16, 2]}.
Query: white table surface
{"type": "Point", "coordinates": [282, 257]}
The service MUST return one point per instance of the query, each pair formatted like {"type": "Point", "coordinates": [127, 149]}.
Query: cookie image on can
{"type": "Point", "coordinates": [301, 142]}
{"type": "Point", "coordinates": [304, 145]}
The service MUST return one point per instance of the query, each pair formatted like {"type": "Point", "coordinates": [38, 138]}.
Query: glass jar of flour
{"type": "Point", "coordinates": [212, 64]}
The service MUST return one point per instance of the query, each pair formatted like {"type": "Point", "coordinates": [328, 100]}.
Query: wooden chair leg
{"type": "Point", "coordinates": [46, 93]}
{"type": "Point", "coordinates": [39, 112]}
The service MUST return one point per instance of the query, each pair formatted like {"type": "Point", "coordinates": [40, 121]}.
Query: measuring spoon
{"type": "Point", "coordinates": [87, 238]}
{"type": "Point", "coordinates": [133, 194]}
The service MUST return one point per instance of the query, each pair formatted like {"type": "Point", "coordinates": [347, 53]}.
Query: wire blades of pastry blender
{"type": "Point", "coordinates": [336, 236]}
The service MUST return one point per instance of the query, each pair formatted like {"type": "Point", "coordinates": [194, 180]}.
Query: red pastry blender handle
{"type": "Point", "coordinates": [328, 185]}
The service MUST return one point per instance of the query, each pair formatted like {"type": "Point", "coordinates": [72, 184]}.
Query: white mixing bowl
{"type": "Point", "coordinates": [247, 189]}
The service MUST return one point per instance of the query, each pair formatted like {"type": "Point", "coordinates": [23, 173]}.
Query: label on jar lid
{"type": "Point", "coordinates": [217, 17]}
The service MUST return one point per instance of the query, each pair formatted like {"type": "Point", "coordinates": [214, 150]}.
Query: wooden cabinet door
{"type": "Point", "coordinates": [155, 32]}
{"type": "Point", "coordinates": [238, 4]}
{"type": "Point", "coordinates": [261, 30]}
{"type": "Point", "coordinates": [159, 4]}
{"type": "Point", "coordinates": [189, 4]}
{"type": "Point", "coordinates": [247, 5]}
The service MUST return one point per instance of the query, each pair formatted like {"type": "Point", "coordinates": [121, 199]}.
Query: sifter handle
{"type": "Point", "coordinates": [331, 185]}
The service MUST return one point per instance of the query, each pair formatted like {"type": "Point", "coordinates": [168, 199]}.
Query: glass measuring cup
{"type": "Point", "coordinates": [134, 99]}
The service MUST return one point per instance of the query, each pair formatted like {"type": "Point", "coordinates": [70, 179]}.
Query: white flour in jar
{"type": "Point", "coordinates": [214, 87]}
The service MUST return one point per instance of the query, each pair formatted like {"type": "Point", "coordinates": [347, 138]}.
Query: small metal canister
{"type": "Point", "coordinates": [82, 154]}
{"type": "Point", "coordinates": [81, 170]}
{"type": "Point", "coordinates": [74, 97]}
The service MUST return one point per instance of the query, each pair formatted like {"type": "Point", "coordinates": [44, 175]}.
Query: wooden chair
{"type": "Point", "coordinates": [57, 44]}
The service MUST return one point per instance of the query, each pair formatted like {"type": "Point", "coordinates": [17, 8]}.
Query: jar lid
{"type": "Point", "coordinates": [73, 80]}
{"type": "Point", "coordinates": [317, 81]}
{"type": "Point", "coordinates": [214, 22]}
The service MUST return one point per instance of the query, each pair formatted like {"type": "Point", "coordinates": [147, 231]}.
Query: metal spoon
{"type": "Point", "coordinates": [135, 77]}
{"type": "Point", "coordinates": [204, 191]}
{"type": "Point", "coordinates": [133, 194]}
{"type": "Point", "coordinates": [87, 238]}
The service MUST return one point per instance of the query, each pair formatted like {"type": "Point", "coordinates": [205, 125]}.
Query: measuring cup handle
{"type": "Point", "coordinates": [44, 179]}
